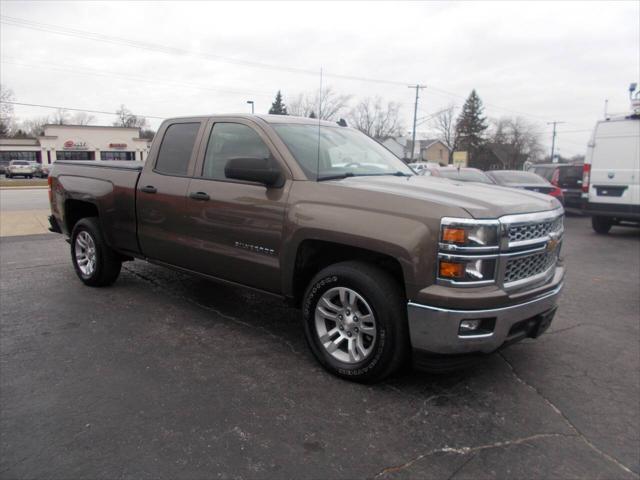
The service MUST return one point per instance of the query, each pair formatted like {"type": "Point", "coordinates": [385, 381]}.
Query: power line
{"type": "Point", "coordinates": [102, 73]}
{"type": "Point", "coordinates": [72, 32]}
{"type": "Point", "coordinates": [74, 109]}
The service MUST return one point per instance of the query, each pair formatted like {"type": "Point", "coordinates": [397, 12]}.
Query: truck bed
{"type": "Point", "coordinates": [108, 185]}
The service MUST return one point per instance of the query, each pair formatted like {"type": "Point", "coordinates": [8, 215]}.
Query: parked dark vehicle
{"type": "Point", "coordinates": [464, 174]}
{"type": "Point", "coordinates": [568, 177]}
{"type": "Point", "coordinates": [385, 265]}
{"type": "Point", "coordinates": [525, 180]}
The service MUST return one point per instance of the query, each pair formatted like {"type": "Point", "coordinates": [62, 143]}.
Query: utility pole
{"type": "Point", "coordinates": [553, 138]}
{"type": "Point", "coordinates": [415, 117]}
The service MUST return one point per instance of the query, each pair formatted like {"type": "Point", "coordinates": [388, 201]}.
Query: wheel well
{"type": "Point", "coordinates": [74, 210]}
{"type": "Point", "coordinates": [314, 255]}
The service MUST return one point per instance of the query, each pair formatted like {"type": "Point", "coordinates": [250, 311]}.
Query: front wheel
{"type": "Point", "coordinates": [355, 322]}
{"type": "Point", "coordinates": [601, 225]}
{"type": "Point", "coordinates": [95, 263]}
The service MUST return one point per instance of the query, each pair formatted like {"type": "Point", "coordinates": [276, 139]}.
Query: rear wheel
{"type": "Point", "coordinates": [95, 263]}
{"type": "Point", "coordinates": [601, 225]}
{"type": "Point", "coordinates": [355, 322]}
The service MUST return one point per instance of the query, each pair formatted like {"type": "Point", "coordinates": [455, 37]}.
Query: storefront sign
{"type": "Point", "coordinates": [117, 145]}
{"type": "Point", "coordinates": [71, 145]}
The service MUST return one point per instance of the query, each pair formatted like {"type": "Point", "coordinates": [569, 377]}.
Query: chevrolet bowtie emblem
{"type": "Point", "coordinates": [552, 244]}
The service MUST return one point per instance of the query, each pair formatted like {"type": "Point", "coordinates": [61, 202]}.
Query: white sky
{"type": "Point", "coordinates": [544, 60]}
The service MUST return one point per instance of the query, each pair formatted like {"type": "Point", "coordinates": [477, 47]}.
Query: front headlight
{"type": "Point", "coordinates": [468, 251]}
{"type": "Point", "coordinates": [465, 233]}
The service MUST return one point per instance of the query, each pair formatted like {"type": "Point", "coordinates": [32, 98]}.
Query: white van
{"type": "Point", "coordinates": [611, 173]}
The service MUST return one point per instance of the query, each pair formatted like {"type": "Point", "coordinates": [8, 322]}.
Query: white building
{"type": "Point", "coordinates": [76, 142]}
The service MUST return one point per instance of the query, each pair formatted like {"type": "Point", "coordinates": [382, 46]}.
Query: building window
{"type": "Point", "coordinates": [71, 155]}
{"type": "Point", "coordinates": [118, 156]}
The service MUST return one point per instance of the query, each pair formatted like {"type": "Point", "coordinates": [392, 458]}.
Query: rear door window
{"type": "Point", "coordinates": [176, 148]}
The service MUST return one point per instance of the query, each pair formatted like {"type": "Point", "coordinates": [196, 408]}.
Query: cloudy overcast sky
{"type": "Point", "coordinates": [542, 60]}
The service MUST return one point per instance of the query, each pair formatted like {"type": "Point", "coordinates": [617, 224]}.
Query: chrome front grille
{"type": "Point", "coordinates": [533, 231]}
{"type": "Point", "coordinates": [521, 268]}
{"type": "Point", "coordinates": [524, 255]}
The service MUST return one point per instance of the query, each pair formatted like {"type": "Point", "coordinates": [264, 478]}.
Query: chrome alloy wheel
{"type": "Point", "coordinates": [85, 250]}
{"type": "Point", "coordinates": [345, 325]}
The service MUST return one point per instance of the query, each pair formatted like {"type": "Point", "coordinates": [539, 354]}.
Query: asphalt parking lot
{"type": "Point", "coordinates": [168, 376]}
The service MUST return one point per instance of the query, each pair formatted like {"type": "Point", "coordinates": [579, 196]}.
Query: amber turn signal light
{"type": "Point", "coordinates": [454, 235]}
{"type": "Point", "coordinates": [451, 270]}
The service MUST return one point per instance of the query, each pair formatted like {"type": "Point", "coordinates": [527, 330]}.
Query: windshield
{"type": "Point", "coordinates": [341, 152]}
{"type": "Point", "coordinates": [465, 175]}
{"type": "Point", "coordinates": [515, 177]}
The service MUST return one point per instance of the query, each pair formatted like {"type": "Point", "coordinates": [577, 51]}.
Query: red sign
{"type": "Point", "coordinates": [117, 145]}
{"type": "Point", "coordinates": [72, 145]}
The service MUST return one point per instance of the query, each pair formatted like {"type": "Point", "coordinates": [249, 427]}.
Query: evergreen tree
{"type": "Point", "coordinates": [312, 114]}
{"type": "Point", "coordinates": [471, 125]}
{"type": "Point", "coordinates": [278, 107]}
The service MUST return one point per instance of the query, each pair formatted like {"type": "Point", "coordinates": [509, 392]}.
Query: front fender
{"type": "Point", "coordinates": [409, 240]}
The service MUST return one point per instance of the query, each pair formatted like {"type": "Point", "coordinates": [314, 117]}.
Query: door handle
{"type": "Point", "coordinates": [199, 196]}
{"type": "Point", "coordinates": [149, 189]}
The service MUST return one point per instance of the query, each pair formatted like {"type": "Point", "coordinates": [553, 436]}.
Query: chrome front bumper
{"type": "Point", "coordinates": [436, 330]}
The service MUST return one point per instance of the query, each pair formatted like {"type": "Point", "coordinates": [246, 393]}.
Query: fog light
{"type": "Point", "coordinates": [470, 325]}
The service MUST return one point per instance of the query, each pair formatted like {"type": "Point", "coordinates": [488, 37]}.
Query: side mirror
{"type": "Point", "coordinates": [255, 169]}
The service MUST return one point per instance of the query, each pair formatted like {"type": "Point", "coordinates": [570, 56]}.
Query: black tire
{"type": "Point", "coordinates": [382, 293]}
{"type": "Point", "coordinates": [107, 262]}
{"type": "Point", "coordinates": [601, 225]}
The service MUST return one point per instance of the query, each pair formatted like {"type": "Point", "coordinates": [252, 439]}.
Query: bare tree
{"type": "Point", "coordinates": [61, 117]}
{"type": "Point", "coordinates": [378, 121]}
{"type": "Point", "coordinates": [444, 123]}
{"type": "Point", "coordinates": [522, 136]}
{"type": "Point", "coordinates": [34, 127]}
{"type": "Point", "coordinates": [128, 119]}
{"type": "Point", "coordinates": [82, 118]}
{"type": "Point", "coordinates": [327, 106]}
{"type": "Point", "coordinates": [6, 109]}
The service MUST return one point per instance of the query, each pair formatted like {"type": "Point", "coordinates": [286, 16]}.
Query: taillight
{"type": "Point", "coordinates": [555, 178]}
{"type": "Point", "coordinates": [586, 176]}
{"type": "Point", "coordinates": [556, 192]}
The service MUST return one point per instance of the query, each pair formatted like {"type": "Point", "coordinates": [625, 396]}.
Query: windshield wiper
{"type": "Point", "coordinates": [338, 176]}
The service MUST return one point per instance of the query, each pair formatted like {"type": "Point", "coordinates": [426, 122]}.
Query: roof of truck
{"type": "Point", "coordinates": [265, 118]}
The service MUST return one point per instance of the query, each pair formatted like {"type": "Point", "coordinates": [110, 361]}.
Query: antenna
{"type": "Point", "coordinates": [319, 117]}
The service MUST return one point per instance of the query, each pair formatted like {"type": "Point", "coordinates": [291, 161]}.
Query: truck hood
{"type": "Point", "coordinates": [479, 200]}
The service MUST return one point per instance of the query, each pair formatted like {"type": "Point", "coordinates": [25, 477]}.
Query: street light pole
{"type": "Point", "coordinates": [252, 106]}
{"type": "Point", "coordinates": [415, 117]}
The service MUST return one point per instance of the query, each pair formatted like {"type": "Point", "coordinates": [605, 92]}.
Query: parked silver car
{"type": "Point", "coordinates": [20, 168]}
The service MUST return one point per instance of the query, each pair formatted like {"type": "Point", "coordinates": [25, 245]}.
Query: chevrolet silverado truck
{"type": "Point", "coordinates": [386, 266]}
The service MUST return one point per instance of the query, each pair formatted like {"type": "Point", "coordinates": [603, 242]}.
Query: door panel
{"type": "Point", "coordinates": [237, 233]}
{"type": "Point", "coordinates": [161, 193]}
{"type": "Point", "coordinates": [235, 228]}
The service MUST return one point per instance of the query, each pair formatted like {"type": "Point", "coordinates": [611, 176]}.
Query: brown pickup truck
{"type": "Point", "coordinates": [386, 266]}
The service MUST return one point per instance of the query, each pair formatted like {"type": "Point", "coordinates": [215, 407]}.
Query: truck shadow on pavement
{"type": "Point", "coordinates": [266, 316]}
